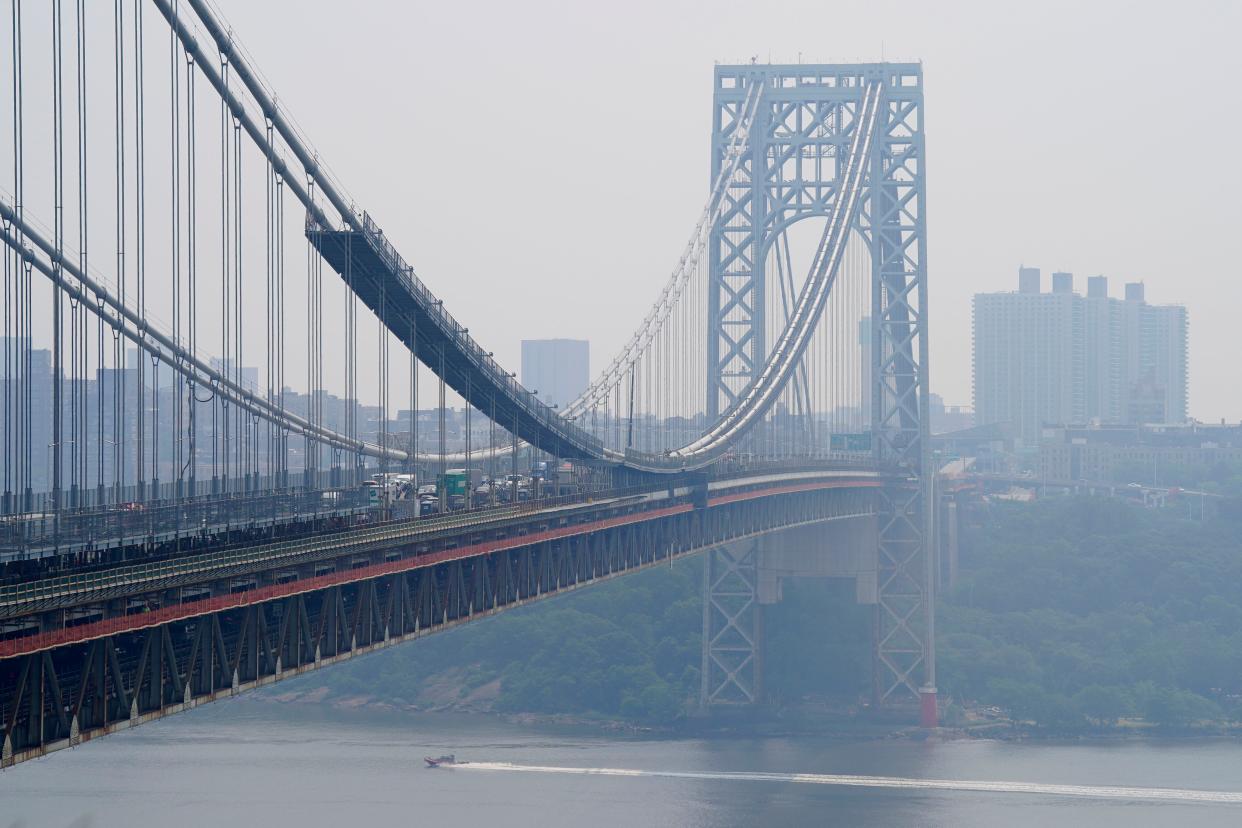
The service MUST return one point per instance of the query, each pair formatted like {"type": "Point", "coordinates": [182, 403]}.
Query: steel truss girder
{"type": "Point", "coordinates": [59, 697]}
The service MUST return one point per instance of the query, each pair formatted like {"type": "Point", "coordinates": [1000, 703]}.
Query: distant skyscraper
{"type": "Point", "coordinates": [1061, 358]}
{"type": "Point", "coordinates": [559, 369]}
{"type": "Point", "coordinates": [1028, 357]}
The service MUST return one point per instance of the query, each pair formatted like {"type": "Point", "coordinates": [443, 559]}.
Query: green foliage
{"type": "Point", "coordinates": [1074, 611]}
{"type": "Point", "coordinates": [1104, 705]}
{"type": "Point", "coordinates": [627, 648]}
{"type": "Point", "coordinates": [1027, 701]}
{"type": "Point", "coordinates": [1175, 708]}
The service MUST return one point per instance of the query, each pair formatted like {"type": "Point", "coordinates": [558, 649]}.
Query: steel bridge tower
{"type": "Point", "coordinates": [789, 173]}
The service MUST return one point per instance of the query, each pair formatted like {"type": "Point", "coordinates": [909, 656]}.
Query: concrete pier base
{"type": "Point", "coordinates": [929, 714]}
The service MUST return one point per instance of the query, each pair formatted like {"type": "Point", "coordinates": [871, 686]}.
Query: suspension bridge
{"type": "Point", "coordinates": [231, 408]}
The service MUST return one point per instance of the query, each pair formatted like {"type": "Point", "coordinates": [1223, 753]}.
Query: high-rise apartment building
{"type": "Point", "coordinates": [559, 369]}
{"type": "Point", "coordinates": [1061, 358]}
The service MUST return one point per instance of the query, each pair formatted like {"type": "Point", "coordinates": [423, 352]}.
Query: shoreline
{"type": "Point", "coordinates": [785, 722]}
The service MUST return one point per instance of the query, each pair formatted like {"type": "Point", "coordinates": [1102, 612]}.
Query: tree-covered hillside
{"type": "Point", "coordinates": [1073, 609]}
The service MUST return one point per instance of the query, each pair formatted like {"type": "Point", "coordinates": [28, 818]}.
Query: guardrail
{"type": "Point", "coordinates": [87, 498]}
{"type": "Point", "coordinates": [35, 533]}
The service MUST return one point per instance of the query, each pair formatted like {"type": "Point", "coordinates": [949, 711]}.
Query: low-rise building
{"type": "Point", "coordinates": [1150, 454]}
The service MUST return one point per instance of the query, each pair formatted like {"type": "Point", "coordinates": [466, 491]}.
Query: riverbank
{"type": "Point", "coordinates": [838, 723]}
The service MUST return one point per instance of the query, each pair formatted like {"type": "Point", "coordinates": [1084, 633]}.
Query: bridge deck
{"type": "Point", "coordinates": [24, 599]}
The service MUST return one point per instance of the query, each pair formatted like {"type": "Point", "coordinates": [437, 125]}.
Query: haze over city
{"type": "Point", "coordinates": [652, 414]}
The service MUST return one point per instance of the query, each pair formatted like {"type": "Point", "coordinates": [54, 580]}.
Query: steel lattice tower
{"type": "Point", "coordinates": [789, 173]}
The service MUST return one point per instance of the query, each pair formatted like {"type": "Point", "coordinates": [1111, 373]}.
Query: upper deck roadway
{"type": "Point", "coordinates": [432, 540]}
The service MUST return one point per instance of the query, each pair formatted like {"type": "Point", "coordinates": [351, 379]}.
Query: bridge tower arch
{"type": "Point", "coordinates": [801, 129]}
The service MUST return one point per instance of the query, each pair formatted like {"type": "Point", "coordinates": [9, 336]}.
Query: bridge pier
{"type": "Point", "coordinates": [740, 580]}
{"type": "Point", "coordinates": [732, 672]}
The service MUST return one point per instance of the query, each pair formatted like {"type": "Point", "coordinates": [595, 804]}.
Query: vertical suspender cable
{"type": "Point", "coordinates": [58, 213]}
{"type": "Point", "coordinates": [308, 459]}
{"type": "Point", "coordinates": [80, 435]}
{"type": "Point", "coordinates": [119, 389]}
{"type": "Point", "coordinates": [382, 346]}
{"type": "Point", "coordinates": [318, 349]}
{"type": "Point", "coordinates": [174, 141]}
{"type": "Point", "coordinates": [334, 454]}
{"type": "Point", "coordinates": [6, 424]}
{"type": "Point", "coordinates": [11, 266]}
{"type": "Point", "coordinates": [310, 450]}
{"type": "Point", "coordinates": [513, 461]}
{"type": "Point", "coordinates": [22, 362]}
{"type": "Point", "coordinates": [220, 428]}
{"type": "Point", "coordinates": [74, 372]}
{"type": "Point", "coordinates": [269, 309]}
{"type": "Point", "coordinates": [242, 422]}
{"type": "Point", "coordinates": [412, 463]}
{"type": "Point", "coordinates": [351, 401]}
{"type": "Point", "coordinates": [443, 436]}
{"type": "Point", "coordinates": [282, 433]}
{"type": "Point", "coordinates": [140, 239]}
{"type": "Point", "coordinates": [491, 454]}
{"type": "Point", "coordinates": [191, 264]}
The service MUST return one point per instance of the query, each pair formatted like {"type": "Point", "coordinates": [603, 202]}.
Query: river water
{"type": "Point", "coordinates": [251, 762]}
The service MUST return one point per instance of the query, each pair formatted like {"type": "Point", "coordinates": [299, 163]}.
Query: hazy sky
{"type": "Point", "coordinates": [532, 158]}
{"type": "Point", "coordinates": [541, 164]}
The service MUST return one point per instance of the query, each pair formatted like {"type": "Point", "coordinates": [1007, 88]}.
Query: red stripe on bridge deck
{"type": "Point", "coordinates": [206, 606]}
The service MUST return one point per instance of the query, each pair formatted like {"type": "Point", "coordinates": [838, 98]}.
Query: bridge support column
{"type": "Point", "coordinates": [928, 711]}
{"type": "Point", "coordinates": [904, 631]}
{"type": "Point", "coordinates": [951, 527]}
{"type": "Point", "coordinates": [732, 672]}
{"type": "Point", "coordinates": [895, 226]}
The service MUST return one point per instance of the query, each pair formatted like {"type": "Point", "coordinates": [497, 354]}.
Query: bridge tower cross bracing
{"type": "Point", "coordinates": [893, 220]}
{"type": "Point", "coordinates": [797, 141]}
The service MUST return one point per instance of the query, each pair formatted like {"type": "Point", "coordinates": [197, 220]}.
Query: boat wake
{"type": "Point", "coordinates": [853, 781]}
